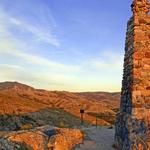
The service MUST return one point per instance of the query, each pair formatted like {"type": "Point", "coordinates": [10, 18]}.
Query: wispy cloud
{"type": "Point", "coordinates": [31, 65]}
{"type": "Point", "coordinates": [48, 73]}
{"type": "Point", "coordinates": [15, 47]}
{"type": "Point", "coordinates": [11, 48]}
{"type": "Point", "coordinates": [40, 61]}
{"type": "Point", "coordinates": [48, 80]}
{"type": "Point", "coordinates": [39, 32]}
{"type": "Point", "coordinates": [107, 61]}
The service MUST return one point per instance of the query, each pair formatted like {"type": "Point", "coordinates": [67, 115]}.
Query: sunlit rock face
{"type": "Point", "coordinates": [133, 121]}
{"type": "Point", "coordinates": [42, 138]}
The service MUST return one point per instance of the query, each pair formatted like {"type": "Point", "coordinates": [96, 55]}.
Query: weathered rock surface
{"type": "Point", "coordinates": [133, 121]}
{"type": "Point", "coordinates": [42, 138]}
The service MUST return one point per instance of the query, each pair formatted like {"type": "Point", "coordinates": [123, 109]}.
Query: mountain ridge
{"type": "Point", "coordinates": [18, 98]}
{"type": "Point", "coordinates": [16, 83]}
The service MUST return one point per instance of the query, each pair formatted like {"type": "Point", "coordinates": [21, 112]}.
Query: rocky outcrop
{"type": "Point", "coordinates": [42, 138]}
{"type": "Point", "coordinates": [66, 139]}
{"type": "Point", "coordinates": [133, 121]}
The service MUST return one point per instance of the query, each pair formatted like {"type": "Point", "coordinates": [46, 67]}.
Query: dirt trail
{"type": "Point", "coordinates": [97, 139]}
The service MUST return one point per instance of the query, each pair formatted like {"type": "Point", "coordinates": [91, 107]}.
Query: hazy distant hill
{"type": "Point", "coordinates": [20, 99]}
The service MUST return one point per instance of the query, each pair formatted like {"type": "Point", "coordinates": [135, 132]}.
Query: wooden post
{"type": "Point", "coordinates": [96, 121]}
{"type": "Point", "coordinates": [81, 112]}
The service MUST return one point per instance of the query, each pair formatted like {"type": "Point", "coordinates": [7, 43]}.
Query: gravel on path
{"type": "Point", "coordinates": [97, 139]}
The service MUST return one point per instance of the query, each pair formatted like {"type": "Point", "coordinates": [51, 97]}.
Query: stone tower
{"type": "Point", "coordinates": [133, 120]}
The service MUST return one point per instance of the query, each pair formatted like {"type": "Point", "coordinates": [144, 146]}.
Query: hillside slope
{"type": "Point", "coordinates": [17, 99]}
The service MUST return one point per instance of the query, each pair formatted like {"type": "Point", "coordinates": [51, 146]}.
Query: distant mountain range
{"type": "Point", "coordinates": [19, 99]}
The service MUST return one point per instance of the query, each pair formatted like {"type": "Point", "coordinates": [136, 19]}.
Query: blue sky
{"type": "Point", "coordinates": [73, 45]}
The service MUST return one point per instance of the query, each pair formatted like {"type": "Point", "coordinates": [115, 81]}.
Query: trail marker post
{"type": "Point", "coordinates": [82, 113]}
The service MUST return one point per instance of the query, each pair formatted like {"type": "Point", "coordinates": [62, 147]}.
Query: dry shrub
{"type": "Point", "coordinates": [26, 127]}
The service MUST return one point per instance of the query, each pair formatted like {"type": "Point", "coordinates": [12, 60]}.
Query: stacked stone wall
{"type": "Point", "coordinates": [133, 121]}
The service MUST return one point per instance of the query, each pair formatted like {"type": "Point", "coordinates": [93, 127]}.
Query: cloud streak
{"type": "Point", "coordinates": [40, 61]}
{"type": "Point", "coordinates": [30, 64]}
{"type": "Point", "coordinates": [108, 61]}
{"type": "Point", "coordinates": [10, 48]}
{"type": "Point", "coordinates": [16, 48]}
{"type": "Point", "coordinates": [49, 80]}
{"type": "Point", "coordinates": [39, 32]}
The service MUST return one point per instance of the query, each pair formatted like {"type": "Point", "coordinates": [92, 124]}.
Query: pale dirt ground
{"type": "Point", "coordinates": [97, 139]}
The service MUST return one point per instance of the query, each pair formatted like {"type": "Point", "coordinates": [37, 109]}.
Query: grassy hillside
{"type": "Point", "coordinates": [21, 100]}
{"type": "Point", "coordinates": [55, 117]}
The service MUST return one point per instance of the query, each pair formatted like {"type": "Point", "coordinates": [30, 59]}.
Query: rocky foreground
{"type": "Point", "coordinates": [42, 138]}
{"type": "Point", "coordinates": [33, 119]}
